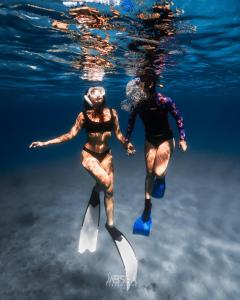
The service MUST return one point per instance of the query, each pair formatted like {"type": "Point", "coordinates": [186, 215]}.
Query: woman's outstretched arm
{"type": "Point", "coordinates": [65, 137]}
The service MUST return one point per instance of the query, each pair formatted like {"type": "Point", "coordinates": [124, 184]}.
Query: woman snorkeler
{"type": "Point", "coordinates": [153, 109]}
{"type": "Point", "coordinates": [96, 157]}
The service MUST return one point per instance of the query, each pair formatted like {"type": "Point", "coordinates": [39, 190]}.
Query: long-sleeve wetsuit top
{"type": "Point", "coordinates": [154, 115]}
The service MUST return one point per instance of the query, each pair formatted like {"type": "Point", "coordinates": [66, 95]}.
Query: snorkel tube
{"type": "Point", "coordinates": [86, 98]}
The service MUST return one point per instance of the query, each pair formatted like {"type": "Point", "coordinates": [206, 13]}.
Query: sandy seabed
{"type": "Point", "coordinates": [193, 252]}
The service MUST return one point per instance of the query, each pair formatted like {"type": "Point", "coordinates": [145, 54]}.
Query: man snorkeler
{"type": "Point", "coordinates": [153, 109]}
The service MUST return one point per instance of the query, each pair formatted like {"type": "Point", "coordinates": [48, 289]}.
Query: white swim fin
{"type": "Point", "coordinates": [90, 225]}
{"type": "Point", "coordinates": [126, 253]}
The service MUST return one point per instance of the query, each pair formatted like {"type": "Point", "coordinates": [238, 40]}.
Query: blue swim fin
{"type": "Point", "coordinates": [142, 227]}
{"type": "Point", "coordinates": [159, 187]}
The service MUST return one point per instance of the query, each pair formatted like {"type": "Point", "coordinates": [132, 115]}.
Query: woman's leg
{"type": "Point", "coordinates": [102, 172]}
{"type": "Point", "coordinates": [94, 168]}
{"type": "Point", "coordinates": [107, 164]}
{"type": "Point", "coordinates": [162, 158]}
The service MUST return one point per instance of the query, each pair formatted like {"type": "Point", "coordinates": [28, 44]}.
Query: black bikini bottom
{"type": "Point", "coordinates": [98, 156]}
{"type": "Point", "coordinates": [157, 139]}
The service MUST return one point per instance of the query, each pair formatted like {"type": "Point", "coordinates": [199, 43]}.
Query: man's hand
{"type": "Point", "coordinates": [183, 145]}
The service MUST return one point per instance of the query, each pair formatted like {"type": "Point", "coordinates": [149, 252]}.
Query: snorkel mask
{"type": "Point", "coordinates": [94, 92]}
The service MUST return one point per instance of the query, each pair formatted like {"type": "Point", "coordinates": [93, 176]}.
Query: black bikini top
{"type": "Point", "coordinates": [92, 126]}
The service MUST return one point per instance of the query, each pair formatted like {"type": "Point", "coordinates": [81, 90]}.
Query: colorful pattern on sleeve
{"type": "Point", "coordinates": [171, 107]}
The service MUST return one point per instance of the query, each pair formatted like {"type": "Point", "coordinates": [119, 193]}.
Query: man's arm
{"type": "Point", "coordinates": [171, 105]}
{"type": "Point", "coordinates": [175, 112]}
{"type": "Point", "coordinates": [131, 123]}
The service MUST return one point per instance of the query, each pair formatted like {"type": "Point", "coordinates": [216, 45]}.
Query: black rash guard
{"type": "Point", "coordinates": [154, 115]}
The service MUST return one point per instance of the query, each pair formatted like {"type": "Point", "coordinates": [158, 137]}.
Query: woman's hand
{"type": "Point", "coordinates": [130, 149]}
{"type": "Point", "coordinates": [183, 145]}
{"type": "Point", "coordinates": [37, 144]}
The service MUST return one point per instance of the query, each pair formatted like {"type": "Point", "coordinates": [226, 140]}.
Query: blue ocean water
{"type": "Point", "coordinates": [42, 87]}
{"type": "Point", "coordinates": [193, 251]}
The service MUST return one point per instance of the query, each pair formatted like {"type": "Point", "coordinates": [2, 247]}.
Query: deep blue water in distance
{"type": "Point", "coordinates": [41, 91]}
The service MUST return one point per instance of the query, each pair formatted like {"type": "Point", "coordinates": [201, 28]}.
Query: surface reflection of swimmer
{"type": "Point", "coordinates": [96, 157]}
{"type": "Point", "coordinates": [151, 27]}
{"type": "Point", "coordinates": [160, 19]}
{"type": "Point", "coordinates": [92, 18]}
{"type": "Point", "coordinates": [95, 48]}
{"type": "Point", "coordinates": [94, 66]}
{"type": "Point", "coordinates": [153, 109]}
{"type": "Point", "coordinates": [153, 30]}
{"type": "Point", "coordinates": [87, 17]}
